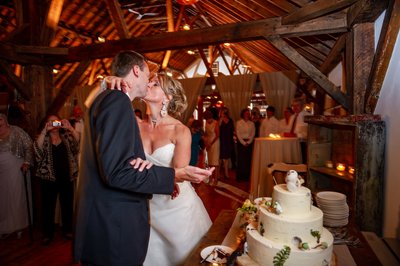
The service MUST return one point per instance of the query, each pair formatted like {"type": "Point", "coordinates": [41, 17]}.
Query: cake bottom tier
{"type": "Point", "coordinates": [264, 251]}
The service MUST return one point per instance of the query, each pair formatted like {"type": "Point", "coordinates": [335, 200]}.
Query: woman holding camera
{"type": "Point", "coordinates": [56, 151]}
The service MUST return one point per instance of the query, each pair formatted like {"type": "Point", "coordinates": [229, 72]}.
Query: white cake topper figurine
{"type": "Point", "coordinates": [293, 180]}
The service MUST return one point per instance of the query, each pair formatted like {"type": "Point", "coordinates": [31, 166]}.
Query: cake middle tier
{"type": "Point", "coordinates": [281, 228]}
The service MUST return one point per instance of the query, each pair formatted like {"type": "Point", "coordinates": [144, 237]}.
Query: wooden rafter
{"type": "Point", "coordinates": [334, 57]}
{"type": "Point", "coordinates": [315, 10]}
{"type": "Point", "coordinates": [170, 16]}
{"type": "Point", "coordinates": [68, 88]}
{"type": "Point", "coordinates": [310, 70]}
{"type": "Point", "coordinates": [221, 53]}
{"type": "Point", "coordinates": [386, 43]}
{"type": "Point", "coordinates": [234, 32]}
{"type": "Point", "coordinates": [114, 9]}
{"type": "Point", "coordinates": [15, 81]}
{"type": "Point", "coordinates": [207, 64]}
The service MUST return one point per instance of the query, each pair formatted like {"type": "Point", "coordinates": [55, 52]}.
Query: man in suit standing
{"type": "Point", "coordinates": [112, 215]}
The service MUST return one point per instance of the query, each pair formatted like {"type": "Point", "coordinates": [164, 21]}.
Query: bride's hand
{"type": "Point", "coordinates": [116, 83]}
{"type": "Point", "coordinates": [192, 174]}
{"type": "Point", "coordinates": [140, 164]}
{"type": "Point", "coordinates": [176, 191]}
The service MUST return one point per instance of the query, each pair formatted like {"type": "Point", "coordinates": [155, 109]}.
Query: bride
{"type": "Point", "coordinates": [176, 225]}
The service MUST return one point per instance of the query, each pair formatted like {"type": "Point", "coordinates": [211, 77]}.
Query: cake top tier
{"type": "Point", "coordinates": [297, 203]}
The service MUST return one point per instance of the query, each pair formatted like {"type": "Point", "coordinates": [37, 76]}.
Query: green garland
{"type": "Point", "coordinates": [281, 257]}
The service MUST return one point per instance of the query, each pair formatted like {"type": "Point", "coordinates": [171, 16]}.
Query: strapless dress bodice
{"type": "Point", "coordinates": [162, 156]}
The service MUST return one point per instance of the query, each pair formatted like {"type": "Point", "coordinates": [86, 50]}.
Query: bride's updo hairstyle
{"type": "Point", "coordinates": [172, 87]}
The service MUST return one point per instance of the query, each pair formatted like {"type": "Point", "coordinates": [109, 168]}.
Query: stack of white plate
{"type": "Point", "coordinates": [334, 207]}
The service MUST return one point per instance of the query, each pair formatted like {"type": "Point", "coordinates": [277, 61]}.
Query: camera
{"type": "Point", "coordinates": [56, 123]}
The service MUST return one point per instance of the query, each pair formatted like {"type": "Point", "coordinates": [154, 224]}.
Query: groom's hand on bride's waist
{"type": "Point", "coordinates": [141, 164]}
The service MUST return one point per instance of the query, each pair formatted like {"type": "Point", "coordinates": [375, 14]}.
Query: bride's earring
{"type": "Point", "coordinates": [163, 111]}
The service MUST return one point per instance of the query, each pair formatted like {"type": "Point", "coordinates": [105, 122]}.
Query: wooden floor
{"type": "Point", "coordinates": [14, 251]}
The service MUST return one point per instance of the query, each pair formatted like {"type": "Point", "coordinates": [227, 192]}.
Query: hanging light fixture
{"type": "Point", "coordinates": [187, 2]}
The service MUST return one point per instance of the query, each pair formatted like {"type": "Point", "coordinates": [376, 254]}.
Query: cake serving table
{"type": "Point", "coordinates": [226, 231]}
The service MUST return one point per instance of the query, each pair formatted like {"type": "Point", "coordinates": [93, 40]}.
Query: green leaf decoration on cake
{"type": "Point", "coordinates": [262, 230]}
{"type": "Point", "coordinates": [316, 234]}
{"type": "Point", "coordinates": [304, 246]}
{"type": "Point", "coordinates": [281, 257]}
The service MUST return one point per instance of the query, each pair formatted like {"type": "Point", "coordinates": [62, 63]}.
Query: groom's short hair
{"type": "Point", "coordinates": [124, 61]}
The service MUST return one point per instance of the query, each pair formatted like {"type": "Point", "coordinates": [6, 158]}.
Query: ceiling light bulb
{"type": "Point", "coordinates": [55, 71]}
{"type": "Point", "coordinates": [190, 52]}
{"type": "Point", "coordinates": [186, 26]}
{"type": "Point", "coordinates": [169, 74]}
{"type": "Point", "coordinates": [227, 44]}
{"type": "Point", "coordinates": [101, 39]}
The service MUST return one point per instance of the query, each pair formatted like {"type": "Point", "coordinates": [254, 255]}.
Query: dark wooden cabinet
{"type": "Point", "coordinates": [357, 141]}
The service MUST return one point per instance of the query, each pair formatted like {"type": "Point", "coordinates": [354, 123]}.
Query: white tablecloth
{"type": "Point", "coordinates": [265, 152]}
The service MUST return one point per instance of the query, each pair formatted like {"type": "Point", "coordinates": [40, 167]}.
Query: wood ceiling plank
{"type": "Point", "coordinates": [310, 70]}
{"type": "Point", "coordinates": [114, 9]}
{"type": "Point", "coordinates": [383, 55]}
{"type": "Point", "coordinates": [315, 10]}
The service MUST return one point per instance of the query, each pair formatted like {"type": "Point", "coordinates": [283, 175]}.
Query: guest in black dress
{"type": "Point", "coordinates": [56, 151]}
{"type": "Point", "coordinates": [226, 131]}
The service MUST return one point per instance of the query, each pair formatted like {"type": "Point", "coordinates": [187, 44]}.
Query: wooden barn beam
{"type": "Point", "coordinates": [15, 81]}
{"type": "Point", "coordinates": [31, 49]}
{"type": "Point", "coordinates": [334, 57]}
{"type": "Point", "coordinates": [234, 32]}
{"type": "Point", "coordinates": [315, 10]}
{"type": "Point", "coordinates": [365, 11]}
{"type": "Point", "coordinates": [221, 53]}
{"type": "Point", "coordinates": [386, 43]}
{"type": "Point", "coordinates": [310, 70]}
{"type": "Point", "coordinates": [114, 9]}
{"type": "Point", "coordinates": [68, 88]}
{"type": "Point", "coordinates": [207, 64]}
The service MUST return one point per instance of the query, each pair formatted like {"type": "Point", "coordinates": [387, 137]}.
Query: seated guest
{"type": "Point", "coordinates": [270, 125]}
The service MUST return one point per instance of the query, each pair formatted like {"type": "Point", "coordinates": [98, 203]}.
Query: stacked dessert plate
{"type": "Point", "coordinates": [334, 207]}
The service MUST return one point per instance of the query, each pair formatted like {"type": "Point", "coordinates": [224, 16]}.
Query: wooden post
{"type": "Point", "coordinates": [359, 57]}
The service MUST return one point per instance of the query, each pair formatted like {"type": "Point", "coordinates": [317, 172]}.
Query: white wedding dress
{"type": "Point", "coordinates": [176, 225]}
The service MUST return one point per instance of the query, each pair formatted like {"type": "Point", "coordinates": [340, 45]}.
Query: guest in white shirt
{"type": "Point", "coordinates": [270, 124]}
{"type": "Point", "coordinates": [245, 132]}
{"type": "Point", "coordinates": [298, 128]}
{"type": "Point", "coordinates": [285, 122]}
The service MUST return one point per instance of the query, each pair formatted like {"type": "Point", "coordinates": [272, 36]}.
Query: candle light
{"type": "Point", "coordinates": [329, 164]}
{"type": "Point", "coordinates": [351, 170]}
{"type": "Point", "coordinates": [340, 167]}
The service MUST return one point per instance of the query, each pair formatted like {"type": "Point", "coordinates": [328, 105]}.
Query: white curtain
{"type": "Point", "coordinates": [236, 92]}
{"type": "Point", "coordinates": [193, 88]}
{"type": "Point", "coordinates": [279, 89]}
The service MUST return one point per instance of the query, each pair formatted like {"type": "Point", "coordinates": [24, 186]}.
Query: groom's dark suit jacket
{"type": "Point", "coordinates": [112, 214]}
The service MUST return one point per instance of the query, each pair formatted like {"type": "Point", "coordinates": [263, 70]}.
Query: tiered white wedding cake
{"type": "Point", "coordinates": [289, 230]}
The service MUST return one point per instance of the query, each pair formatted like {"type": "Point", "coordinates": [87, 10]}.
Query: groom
{"type": "Point", "coordinates": [112, 214]}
